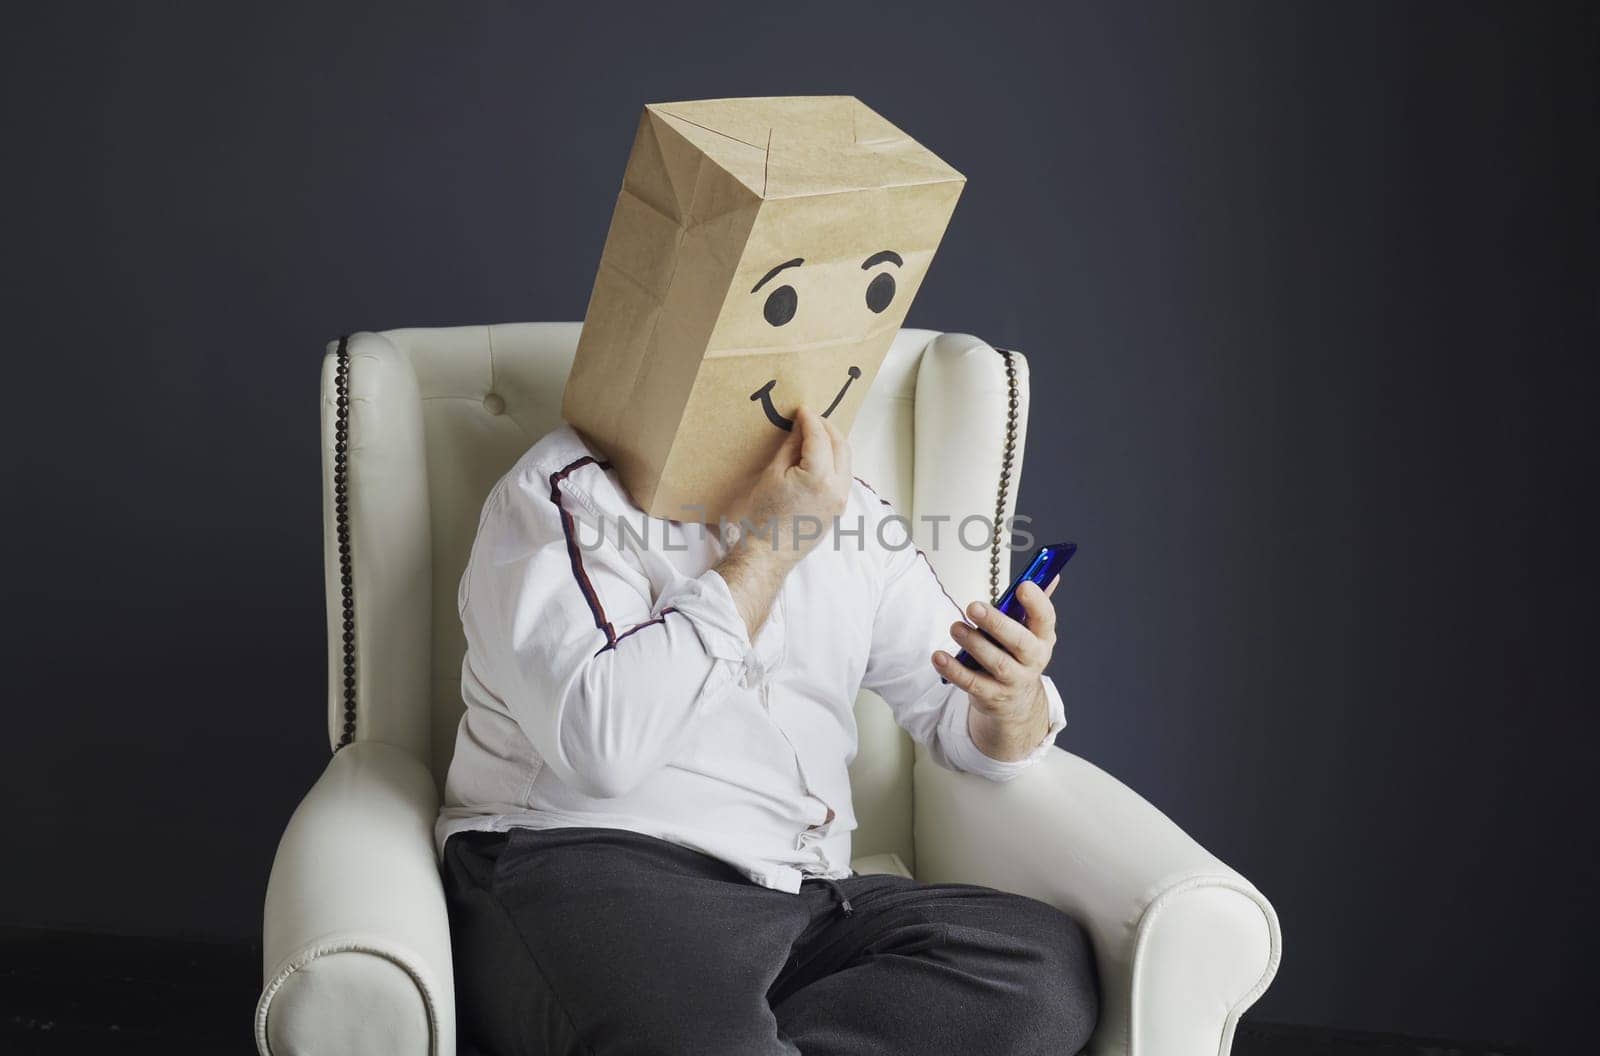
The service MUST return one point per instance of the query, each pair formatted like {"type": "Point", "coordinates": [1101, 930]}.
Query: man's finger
{"type": "Point", "coordinates": [995, 660]}
{"type": "Point", "coordinates": [1055, 582]}
{"type": "Point", "coordinates": [1016, 638]}
{"type": "Point", "coordinates": [841, 449]}
{"type": "Point", "coordinates": [1041, 614]}
{"type": "Point", "coordinates": [981, 689]}
{"type": "Point", "coordinates": [788, 452]}
{"type": "Point", "coordinates": [816, 450]}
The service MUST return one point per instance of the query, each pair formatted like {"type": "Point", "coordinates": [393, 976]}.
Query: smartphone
{"type": "Point", "coordinates": [1047, 563]}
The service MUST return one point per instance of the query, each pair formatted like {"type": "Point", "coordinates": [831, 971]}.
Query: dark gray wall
{"type": "Point", "coordinates": [1309, 292]}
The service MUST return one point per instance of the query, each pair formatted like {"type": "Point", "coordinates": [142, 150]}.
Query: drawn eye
{"type": "Point", "coordinates": [880, 292]}
{"type": "Point", "coordinates": [781, 304]}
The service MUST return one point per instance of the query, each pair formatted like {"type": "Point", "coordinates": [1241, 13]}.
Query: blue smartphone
{"type": "Point", "coordinates": [1047, 563]}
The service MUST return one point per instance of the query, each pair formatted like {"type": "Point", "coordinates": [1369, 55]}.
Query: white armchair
{"type": "Point", "coordinates": [416, 426]}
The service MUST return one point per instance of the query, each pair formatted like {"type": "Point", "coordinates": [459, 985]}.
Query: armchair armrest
{"type": "Point", "coordinates": [1183, 943]}
{"type": "Point", "coordinates": [356, 943]}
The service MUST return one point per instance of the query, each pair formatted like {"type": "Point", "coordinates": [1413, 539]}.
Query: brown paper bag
{"type": "Point", "coordinates": [762, 254]}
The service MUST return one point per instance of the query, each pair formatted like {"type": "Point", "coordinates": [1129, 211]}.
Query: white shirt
{"type": "Point", "coordinates": [610, 681]}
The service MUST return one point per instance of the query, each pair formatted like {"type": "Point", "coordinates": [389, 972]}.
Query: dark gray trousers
{"type": "Point", "coordinates": [603, 942]}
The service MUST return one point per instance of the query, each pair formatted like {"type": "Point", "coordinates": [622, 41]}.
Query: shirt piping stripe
{"type": "Point", "coordinates": [881, 500]}
{"type": "Point", "coordinates": [575, 556]}
{"type": "Point", "coordinates": [959, 610]}
{"type": "Point", "coordinates": [574, 552]}
{"type": "Point", "coordinates": [660, 617]}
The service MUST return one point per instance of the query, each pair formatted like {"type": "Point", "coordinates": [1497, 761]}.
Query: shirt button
{"type": "Point", "coordinates": [756, 676]}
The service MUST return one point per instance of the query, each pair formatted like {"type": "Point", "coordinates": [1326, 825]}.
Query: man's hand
{"type": "Point", "coordinates": [1010, 713]}
{"type": "Point", "coordinates": [791, 507]}
{"type": "Point", "coordinates": [804, 487]}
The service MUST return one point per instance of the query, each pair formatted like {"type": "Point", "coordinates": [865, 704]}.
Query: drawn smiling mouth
{"type": "Point", "coordinates": [764, 394]}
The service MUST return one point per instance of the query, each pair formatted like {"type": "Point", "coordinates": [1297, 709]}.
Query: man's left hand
{"type": "Point", "coordinates": [1010, 713]}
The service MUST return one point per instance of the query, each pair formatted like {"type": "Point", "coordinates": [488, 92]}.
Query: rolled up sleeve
{"type": "Point", "coordinates": [708, 604]}
{"type": "Point", "coordinates": [965, 754]}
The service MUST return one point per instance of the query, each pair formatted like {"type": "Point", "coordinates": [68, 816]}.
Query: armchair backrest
{"type": "Point", "coordinates": [417, 425]}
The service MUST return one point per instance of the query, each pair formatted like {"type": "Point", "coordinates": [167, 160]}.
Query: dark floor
{"type": "Point", "coordinates": [1282, 1039]}
{"type": "Point", "coordinates": [70, 992]}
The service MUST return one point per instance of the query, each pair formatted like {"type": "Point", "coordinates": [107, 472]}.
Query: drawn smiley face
{"type": "Point", "coordinates": [783, 302]}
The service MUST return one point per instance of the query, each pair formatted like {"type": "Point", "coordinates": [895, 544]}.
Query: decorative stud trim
{"type": "Point", "coordinates": [998, 543]}
{"type": "Point", "coordinates": [341, 510]}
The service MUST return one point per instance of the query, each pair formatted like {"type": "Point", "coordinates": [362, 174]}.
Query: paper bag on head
{"type": "Point", "coordinates": [762, 255]}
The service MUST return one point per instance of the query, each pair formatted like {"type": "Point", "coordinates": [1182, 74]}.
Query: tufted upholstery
{"type": "Point", "coordinates": [356, 943]}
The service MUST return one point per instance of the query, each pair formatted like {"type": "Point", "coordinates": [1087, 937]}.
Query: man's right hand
{"type": "Point", "coordinates": [791, 508]}
{"type": "Point", "coordinates": [803, 488]}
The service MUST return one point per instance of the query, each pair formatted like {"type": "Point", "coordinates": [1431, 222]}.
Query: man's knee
{"type": "Point", "coordinates": [1067, 996]}
{"type": "Point", "coordinates": [1057, 1002]}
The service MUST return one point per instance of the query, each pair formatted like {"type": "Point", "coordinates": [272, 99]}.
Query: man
{"type": "Point", "coordinates": [646, 836]}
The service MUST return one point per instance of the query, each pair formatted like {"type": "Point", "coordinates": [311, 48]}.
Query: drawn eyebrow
{"type": "Point", "coordinates": [795, 263]}
{"type": "Point", "coordinates": [882, 256]}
